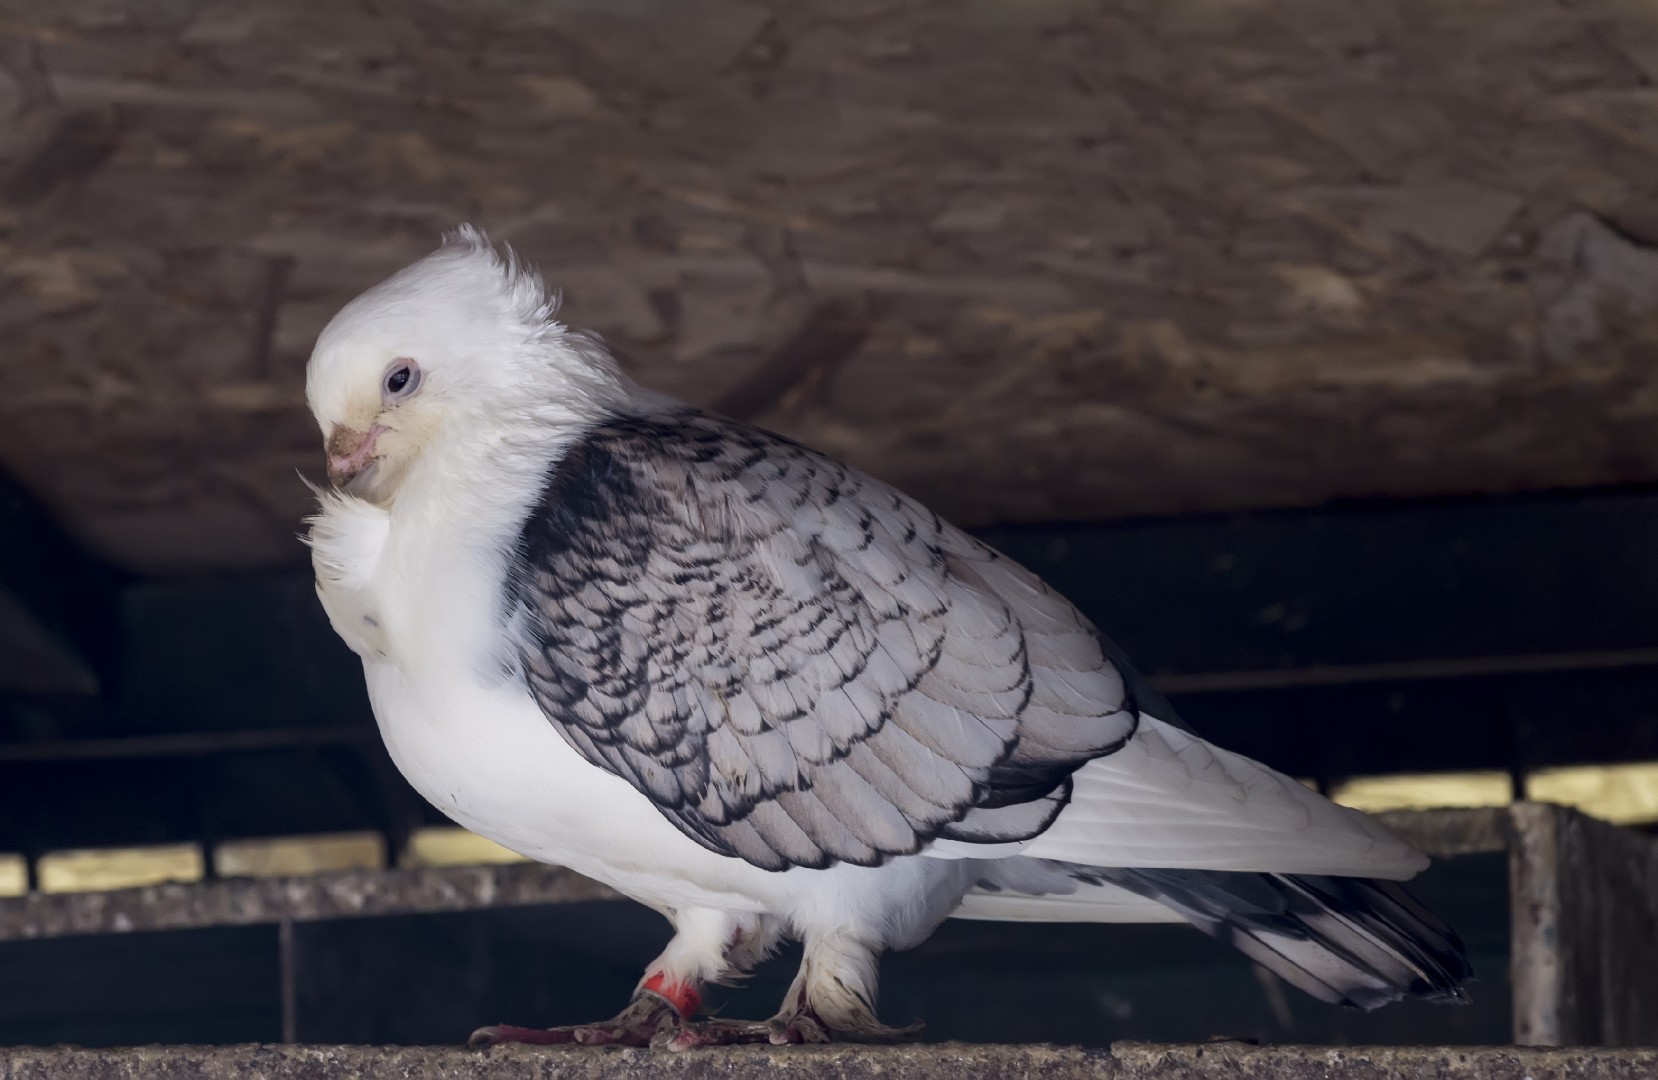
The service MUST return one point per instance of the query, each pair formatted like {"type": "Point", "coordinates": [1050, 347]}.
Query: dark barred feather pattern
{"type": "Point", "coordinates": [1347, 941]}
{"type": "Point", "coordinates": [798, 665]}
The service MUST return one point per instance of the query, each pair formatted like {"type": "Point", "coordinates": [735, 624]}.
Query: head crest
{"type": "Point", "coordinates": [527, 294]}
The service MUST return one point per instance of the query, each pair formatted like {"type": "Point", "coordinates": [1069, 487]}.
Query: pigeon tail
{"type": "Point", "coordinates": [1347, 941]}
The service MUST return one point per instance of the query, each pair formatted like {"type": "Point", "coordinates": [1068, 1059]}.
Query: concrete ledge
{"type": "Point", "coordinates": [248, 901]}
{"type": "Point", "coordinates": [354, 893]}
{"type": "Point", "coordinates": [1125, 1061]}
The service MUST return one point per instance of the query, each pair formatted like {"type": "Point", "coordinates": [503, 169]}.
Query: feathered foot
{"type": "Point", "coordinates": [649, 1015]}
{"type": "Point", "coordinates": [832, 1000]}
{"type": "Point", "coordinates": [707, 944]}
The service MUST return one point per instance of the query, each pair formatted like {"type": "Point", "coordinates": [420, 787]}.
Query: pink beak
{"type": "Point", "coordinates": [350, 452]}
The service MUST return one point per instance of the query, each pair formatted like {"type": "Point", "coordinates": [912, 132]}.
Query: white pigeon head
{"type": "Point", "coordinates": [450, 350]}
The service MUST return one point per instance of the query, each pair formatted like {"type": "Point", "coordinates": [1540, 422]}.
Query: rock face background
{"type": "Point", "coordinates": [1028, 259]}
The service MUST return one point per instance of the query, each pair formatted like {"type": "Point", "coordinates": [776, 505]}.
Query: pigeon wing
{"type": "Point", "coordinates": [798, 665]}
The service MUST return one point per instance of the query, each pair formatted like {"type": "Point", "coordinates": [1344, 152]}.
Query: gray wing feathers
{"type": "Point", "coordinates": [796, 664]}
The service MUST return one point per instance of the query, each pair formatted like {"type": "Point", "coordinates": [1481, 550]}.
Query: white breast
{"type": "Point", "coordinates": [424, 614]}
{"type": "Point", "coordinates": [347, 538]}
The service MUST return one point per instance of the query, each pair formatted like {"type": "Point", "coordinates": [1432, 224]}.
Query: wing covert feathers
{"type": "Point", "coordinates": [798, 665]}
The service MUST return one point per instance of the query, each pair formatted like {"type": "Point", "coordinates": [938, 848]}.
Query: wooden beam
{"type": "Point", "coordinates": [1125, 258]}
{"type": "Point", "coordinates": [339, 895]}
{"type": "Point", "coordinates": [1584, 902]}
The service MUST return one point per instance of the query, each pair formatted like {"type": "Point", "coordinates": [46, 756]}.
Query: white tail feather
{"type": "Point", "coordinates": [1170, 800]}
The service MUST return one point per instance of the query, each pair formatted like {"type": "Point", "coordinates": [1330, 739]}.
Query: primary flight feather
{"type": "Point", "coordinates": [770, 696]}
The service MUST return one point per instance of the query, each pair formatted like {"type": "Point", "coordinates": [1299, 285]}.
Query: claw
{"type": "Point", "coordinates": [606, 1033]}
{"type": "Point", "coordinates": [801, 1027]}
{"type": "Point", "coordinates": [714, 1033]}
{"type": "Point", "coordinates": [646, 1018]}
{"type": "Point", "coordinates": [497, 1034]}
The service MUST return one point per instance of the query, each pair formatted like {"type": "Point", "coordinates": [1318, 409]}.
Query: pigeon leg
{"type": "Point", "coordinates": [832, 999]}
{"type": "Point", "coordinates": [662, 1003]}
{"type": "Point", "coordinates": [665, 999]}
{"type": "Point", "coordinates": [648, 1013]}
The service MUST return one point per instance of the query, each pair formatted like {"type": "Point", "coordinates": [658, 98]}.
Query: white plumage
{"type": "Point", "coordinates": [769, 696]}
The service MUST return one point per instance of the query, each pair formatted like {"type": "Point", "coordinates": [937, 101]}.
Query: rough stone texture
{"type": "Point", "coordinates": [1131, 1061]}
{"type": "Point", "coordinates": [1584, 900]}
{"type": "Point", "coordinates": [1103, 258]}
{"type": "Point", "coordinates": [243, 901]}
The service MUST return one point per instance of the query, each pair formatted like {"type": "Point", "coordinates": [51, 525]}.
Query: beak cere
{"type": "Point", "coordinates": [350, 452]}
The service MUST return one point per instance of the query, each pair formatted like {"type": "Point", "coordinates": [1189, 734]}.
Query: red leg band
{"type": "Point", "coordinates": [682, 996]}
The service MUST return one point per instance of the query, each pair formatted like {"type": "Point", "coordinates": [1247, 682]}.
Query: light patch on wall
{"type": "Point", "coordinates": [96, 871]}
{"type": "Point", "coordinates": [1424, 791]}
{"type": "Point", "coordinates": [14, 875]}
{"type": "Point", "coordinates": [1624, 794]}
{"type": "Point", "coordinates": [443, 846]}
{"type": "Point", "coordinates": [296, 856]}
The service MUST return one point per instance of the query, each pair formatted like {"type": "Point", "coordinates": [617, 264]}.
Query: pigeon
{"type": "Point", "coordinates": [769, 696]}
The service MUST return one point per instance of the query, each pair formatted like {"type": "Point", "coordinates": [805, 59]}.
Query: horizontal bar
{"type": "Point", "coordinates": [1406, 671]}
{"type": "Point", "coordinates": [186, 744]}
{"type": "Point", "coordinates": [359, 893]}
{"type": "Point", "coordinates": [255, 901]}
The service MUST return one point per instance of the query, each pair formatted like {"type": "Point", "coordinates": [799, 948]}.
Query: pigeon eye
{"type": "Point", "coordinates": [402, 379]}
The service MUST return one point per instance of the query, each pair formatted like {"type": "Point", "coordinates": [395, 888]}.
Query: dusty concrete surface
{"type": "Point", "coordinates": [1102, 258]}
{"type": "Point", "coordinates": [948, 1061]}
